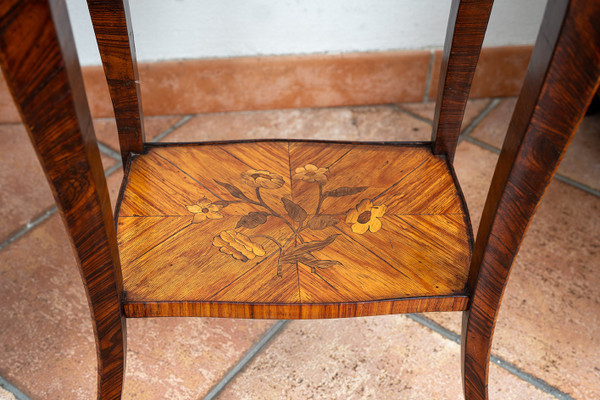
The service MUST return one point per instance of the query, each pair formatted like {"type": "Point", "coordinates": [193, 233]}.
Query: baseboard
{"type": "Point", "coordinates": [274, 82]}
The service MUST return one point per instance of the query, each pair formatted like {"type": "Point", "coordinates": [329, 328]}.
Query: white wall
{"type": "Point", "coordinates": [187, 29]}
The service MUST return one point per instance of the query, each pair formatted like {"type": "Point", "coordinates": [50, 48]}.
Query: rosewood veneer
{"type": "Point", "coordinates": [292, 229]}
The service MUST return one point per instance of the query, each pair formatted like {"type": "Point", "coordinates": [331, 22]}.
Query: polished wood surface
{"type": "Point", "coordinates": [38, 58]}
{"type": "Point", "coordinates": [466, 30]}
{"type": "Point", "coordinates": [293, 227]}
{"type": "Point", "coordinates": [112, 25]}
{"type": "Point", "coordinates": [563, 75]}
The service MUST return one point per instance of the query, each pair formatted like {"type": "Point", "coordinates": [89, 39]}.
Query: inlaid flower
{"type": "Point", "coordinates": [238, 245]}
{"type": "Point", "coordinates": [203, 210]}
{"type": "Point", "coordinates": [311, 173]}
{"type": "Point", "coordinates": [365, 216]}
{"type": "Point", "coordinates": [262, 179]}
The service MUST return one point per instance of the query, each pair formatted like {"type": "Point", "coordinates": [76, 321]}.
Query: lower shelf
{"type": "Point", "coordinates": [291, 229]}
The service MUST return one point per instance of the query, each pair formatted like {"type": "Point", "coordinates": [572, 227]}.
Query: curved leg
{"type": "Point", "coordinates": [38, 58]}
{"type": "Point", "coordinates": [111, 349]}
{"type": "Point", "coordinates": [476, 342]}
{"type": "Point", "coordinates": [562, 77]}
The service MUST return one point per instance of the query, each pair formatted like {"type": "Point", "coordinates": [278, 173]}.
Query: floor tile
{"type": "Point", "coordinates": [183, 358]}
{"type": "Point", "coordinates": [8, 109]}
{"type": "Point", "coordinates": [48, 349]}
{"type": "Point", "coordinates": [390, 357]}
{"type": "Point", "coordinates": [4, 395]}
{"type": "Point", "coordinates": [547, 326]}
{"type": "Point", "coordinates": [582, 159]}
{"type": "Point", "coordinates": [327, 123]}
{"type": "Point", "coordinates": [106, 129]}
{"type": "Point", "coordinates": [492, 128]}
{"type": "Point", "coordinates": [427, 110]}
{"type": "Point", "coordinates": [47, 344]}
{"type": "Point", "coordinates": [25, 193]}
{"type": "Point", "coordinates": [357, 123]}
{"type": "Point", "coordinates": [548, 322]}
{"type": "Point", "coordinates": [114, 185]}
{"type": "Point", "coordinates": [423, 110]}
{"type": "Point", "coordinates": [474, 167]}
{"type": "Point", "coordinates": [107, 161]}
{"type": "Point", "coordinates": [389, 123]}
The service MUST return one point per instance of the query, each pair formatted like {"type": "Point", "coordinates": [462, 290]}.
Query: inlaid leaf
{"type": "Point", "coordinates": [222, 203]}
{"type": "Point", "coordinates": [344, 191]}
{"type": "Point", "coordinates": [321, 222]}
{"type": "Point", "coordinates": [322, 263]}
{"type": "Point", "coordinates": [294, 258]}
{"type": "Point", "coordinates": [235, 192]}
{"type": "Point", "coordinates": [287, 260]}
{"type": "Point", "coordinates": [253, 219]}
{"type": "Point", "coordinates": [295, 253]}
{"type": "Point", "coordinates": [295, 211]}
{"type": "Point", "coordinates": [306, 258]}
{"type": "Point", "coordinates": [290, 258]}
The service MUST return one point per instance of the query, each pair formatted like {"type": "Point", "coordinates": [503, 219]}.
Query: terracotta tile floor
{"type": "Point", "coordinates": [547, 342]}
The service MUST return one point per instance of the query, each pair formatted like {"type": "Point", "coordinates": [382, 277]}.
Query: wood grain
{"type": "Point", "coordinates": [292, 229]}
{"type": "Point", "coordinates": [112, 25]}
{"type": "Point", "coordinates": [562, 77]}
{"type": "Point", "coordinates": [466, 30]}
{"type": "Point", "coordinates": [277, 229]}
{"type": "Point", "coordinates": [295, 311]}
{"type": "Point", "coordinates": [38, 58]}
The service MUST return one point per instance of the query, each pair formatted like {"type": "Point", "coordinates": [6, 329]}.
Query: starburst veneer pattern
{"type": "Point", "coordinates": [292, 229]}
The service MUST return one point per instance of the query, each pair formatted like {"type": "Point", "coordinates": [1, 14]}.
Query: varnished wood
{"type": "Point", "coordinates": [114, 34]}
{"type": "Point", "coordinates": [292, 230]}
{"type": "Point", "coordinates": [295, 311]}
{"type": "Point", "coordinates": [563, 76]}
{"type": "Point", "coordinates": [41, 68]}
{"type": "Point", "coordinates": [466, 30]}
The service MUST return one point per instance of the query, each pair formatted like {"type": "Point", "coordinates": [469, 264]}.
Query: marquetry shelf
{"type": "Point", "coordinates": [292, 229]}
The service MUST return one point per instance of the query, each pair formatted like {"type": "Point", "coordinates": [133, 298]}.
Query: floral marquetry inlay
{"type": "Point", "coordinates": [291, 222]}
{"type": "Point", "coordinates": [363, 217]}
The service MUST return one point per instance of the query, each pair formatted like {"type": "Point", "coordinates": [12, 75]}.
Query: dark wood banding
{"type": "Point", "coordinates": [466, 30]}
{"type": "Point", "coordinates": [295, 311]}
{"type": "Point", "coordinates": [39, 61]}
{"type": "Point", "coordinates": [112, 24]}
{"type": "Point", "coordinates": [563, 76]}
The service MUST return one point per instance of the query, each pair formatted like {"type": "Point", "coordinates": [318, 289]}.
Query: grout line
{"type": "Point", "coordinates": [250, 354]}
{"type": "Point", "coordinates": [6, 385]}
{"type": "Point", "coordinates": [557, 176]}
{"type": "Point", "coordinates": [112, 169]}
{"type": "Point", "coordinates": [428, 79]}
{"type": "Point", "coordinates": [578, 185]}
{"type": "Point", "coordinates": [114, 154]}
{"type": "Point", "coordinates": [533, 380]}
{"type": "Point", "coordinates": [484, 113]}
{"type": "Point", "coordinates": [513, 369]}
{"type": "Point", "coordinates": [434, 326]}
{"type": "Point", "coordinates": [108, 151]}
{"type": "Point", "coordinates": [416, 116]}
{"type": "Point", "coordinates": [479, 143]}
{"type": "Point", "coordinates": [29, 226]}
{"type": "Point", "coordinates": [45, 215]}
{"type": "Point", "coordinates": [170, 129]}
